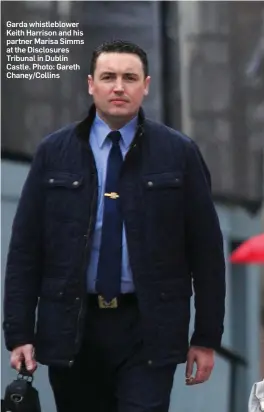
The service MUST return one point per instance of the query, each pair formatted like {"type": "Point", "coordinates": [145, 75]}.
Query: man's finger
{"type": "Point", "coordinates": [201, 376]}
{"type": "Point", "coordinates": [29, 359]}
{"type": "Point", "coordinates": [189, 367]}
{"type": "Point", "coordinates": [16, 360]}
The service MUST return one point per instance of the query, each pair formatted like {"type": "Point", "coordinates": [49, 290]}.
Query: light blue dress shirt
{"type": "Point", "coordinates": [101, 148]}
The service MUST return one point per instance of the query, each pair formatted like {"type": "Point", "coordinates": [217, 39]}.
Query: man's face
{"type": "Point", "coordinates": [118, 85]}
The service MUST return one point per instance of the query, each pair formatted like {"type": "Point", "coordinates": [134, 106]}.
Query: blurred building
{"type": "Point", "coordinates": [207, 67]}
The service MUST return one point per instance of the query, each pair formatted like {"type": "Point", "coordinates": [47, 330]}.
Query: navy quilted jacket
{"type": "Point", "coordinates": [173, 234]}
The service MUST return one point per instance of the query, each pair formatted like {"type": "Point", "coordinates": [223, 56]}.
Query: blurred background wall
{"type": "Point", "coordinates": [207, 67]}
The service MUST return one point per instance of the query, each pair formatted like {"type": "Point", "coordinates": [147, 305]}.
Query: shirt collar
{"type": "Point", "coordinates": [101, 130]}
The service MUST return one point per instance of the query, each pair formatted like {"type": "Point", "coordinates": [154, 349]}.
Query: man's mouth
{"type": "Point", "coordinates": [118, 101]}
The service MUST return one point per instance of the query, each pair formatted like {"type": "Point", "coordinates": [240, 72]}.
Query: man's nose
{"type": "Point", "coordinates": [119, 87]}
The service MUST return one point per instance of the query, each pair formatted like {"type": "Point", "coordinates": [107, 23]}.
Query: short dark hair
{"type": "Point", "coordinates": [119, 46]}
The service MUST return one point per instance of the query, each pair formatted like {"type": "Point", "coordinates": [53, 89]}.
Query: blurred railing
{"type": "Point", "coordinates": [235, 361]}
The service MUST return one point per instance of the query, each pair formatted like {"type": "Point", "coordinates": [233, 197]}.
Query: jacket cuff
{"type": "Point", "coordinates": [212, 342]}
{"type": "Point", "coordinates": [15, 339]}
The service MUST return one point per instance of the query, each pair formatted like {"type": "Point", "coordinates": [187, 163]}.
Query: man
{"type": "Point", "coordinates": [114, 225]}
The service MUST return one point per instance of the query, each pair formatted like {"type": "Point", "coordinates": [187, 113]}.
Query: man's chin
{"type": "Point", "coordinates": [119, 112]}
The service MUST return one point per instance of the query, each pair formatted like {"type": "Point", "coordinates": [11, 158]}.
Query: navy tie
{"type": "Point", "coordinates": [110, 255]}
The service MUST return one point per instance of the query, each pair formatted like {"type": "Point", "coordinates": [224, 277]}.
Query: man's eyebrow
{"type": "Point", "coordinates": [107, 73]}
{"type": "Point", "coordinates": [131, 73]}
{"type": "Point", "coordinates": [113, 73]}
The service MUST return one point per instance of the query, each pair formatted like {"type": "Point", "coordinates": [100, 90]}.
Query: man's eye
{"type": "Point", "coordinates": [108, 76]}
{"type": "Point", "coordinates": [130, 77]}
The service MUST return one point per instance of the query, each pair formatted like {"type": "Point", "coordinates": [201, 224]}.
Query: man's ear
{"type": "Point", "coordinates": [147, 82]}
{"type": "Point", "coordinates": [90, 84]}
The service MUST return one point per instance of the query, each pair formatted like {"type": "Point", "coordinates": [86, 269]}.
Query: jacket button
{"type": "Point", "coordinates": [75, 183]}
{"type": "Point", "coordinates": [51, 180]}
{"type": "Point", "coordinates": [163, 295]}
{"type": "Point", "coordinates": [60, 293]}
{"type": "Point", "coordinates": [71, 362]}
{"type": "Point", "coordinates": [77, 299]}
{"type": "Point", "coordinates": [150, 362]}
{"type": "Point", "coordinates": [150, 183]}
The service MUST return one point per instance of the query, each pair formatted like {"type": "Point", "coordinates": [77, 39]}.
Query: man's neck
{"type": "Point", "coordinates": [115, 122]}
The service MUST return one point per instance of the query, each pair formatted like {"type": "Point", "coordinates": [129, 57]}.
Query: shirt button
{"type": "Point", "coordinates": [150, 183]}
{"type": "Point", "coordinates": [77, 299]}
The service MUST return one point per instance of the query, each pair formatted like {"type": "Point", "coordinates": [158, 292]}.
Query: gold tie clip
{"type": "Point", "coordinates": [112, 195]}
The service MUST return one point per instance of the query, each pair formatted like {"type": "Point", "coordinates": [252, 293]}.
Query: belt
{"type": "Point", "coordinates": [97, 301]}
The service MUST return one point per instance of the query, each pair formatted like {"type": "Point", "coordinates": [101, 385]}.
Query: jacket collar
{"type": "Point", "coordinates": [83, 128]}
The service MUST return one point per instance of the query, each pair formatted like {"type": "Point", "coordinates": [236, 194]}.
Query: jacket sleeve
{"type": "Point", "coordinates": [205, 253]}
{"type": "Point", "coordinates": [23, 270]}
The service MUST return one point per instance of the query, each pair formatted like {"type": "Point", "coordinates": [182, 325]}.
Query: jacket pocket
{"type": "Point", "coordinates": [162, 180]}
{"type": "Point", "coordinates": [52, 289]}
{"type": "Point", "coordinates": [163, 198]}
{"type": "Point", "coordinates": [63, 180]}
{"type": "Point", "coordinates": [62, 191]}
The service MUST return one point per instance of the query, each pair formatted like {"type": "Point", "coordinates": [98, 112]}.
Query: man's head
{"type": "Point", "coordinates": [118, 81]}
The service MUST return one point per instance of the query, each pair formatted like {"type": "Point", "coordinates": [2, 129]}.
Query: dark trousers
{"type": "Point", "coordinates": [112, 372]}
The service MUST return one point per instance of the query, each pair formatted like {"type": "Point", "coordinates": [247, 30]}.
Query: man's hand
{"type": "Point", "coordinates": [23, 353]}
{"type": "Point", "coordinates": [204, 359]}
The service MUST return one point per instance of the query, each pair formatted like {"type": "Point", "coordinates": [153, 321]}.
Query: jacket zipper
{"type": "Point", "coordinates": [87, 237]}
